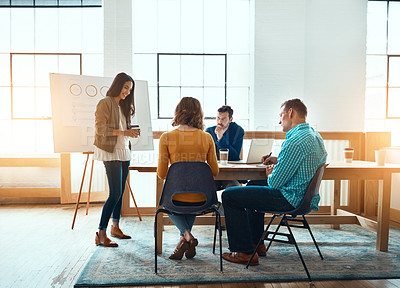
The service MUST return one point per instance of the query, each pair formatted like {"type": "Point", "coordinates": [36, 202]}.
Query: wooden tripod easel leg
{"type": "Point", "coordinates": [90, 186]}
{"type": "Point", "coordinates": [80, 192]}
{"type": "Point", "coordinates": [134, 201]}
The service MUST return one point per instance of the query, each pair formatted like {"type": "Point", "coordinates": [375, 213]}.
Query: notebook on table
{"type": "Point", "coordinates": [258, 148]}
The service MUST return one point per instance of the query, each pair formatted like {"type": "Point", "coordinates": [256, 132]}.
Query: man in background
{"type": "Point", "coordinates": [227, 134]}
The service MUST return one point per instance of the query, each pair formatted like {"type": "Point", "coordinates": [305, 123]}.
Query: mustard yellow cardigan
{"type": "Point", "coordinates": [180, 145]}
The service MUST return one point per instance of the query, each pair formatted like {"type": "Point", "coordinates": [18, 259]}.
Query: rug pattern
{"type": "Point", "coordinates": [349, 253]}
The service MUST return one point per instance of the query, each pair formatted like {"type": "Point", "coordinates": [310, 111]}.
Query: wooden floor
{"type": "Point", "coordinates": [39, 249]}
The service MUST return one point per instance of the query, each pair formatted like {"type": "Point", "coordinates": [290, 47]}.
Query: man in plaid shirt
{"type": "Point", "coordinates": [287, 179]}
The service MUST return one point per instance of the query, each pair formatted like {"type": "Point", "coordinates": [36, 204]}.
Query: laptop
{"type": "Point", "coordinates": [258, 148]}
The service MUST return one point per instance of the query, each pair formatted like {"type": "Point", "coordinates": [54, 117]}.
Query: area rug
{"type": "Point", "coordinates": [349, 253]}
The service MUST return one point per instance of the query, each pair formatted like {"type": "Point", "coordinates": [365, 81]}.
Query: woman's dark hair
{"type": "Point", "coordinates": [128, 104]}
{"type": "Point", "coordinates": [189, 112]}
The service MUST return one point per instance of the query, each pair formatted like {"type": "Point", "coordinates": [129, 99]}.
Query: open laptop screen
{"type": "Point", "coordinates": [258, 148]}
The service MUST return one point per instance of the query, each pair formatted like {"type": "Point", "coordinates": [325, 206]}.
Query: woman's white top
{"type": "Point", "coordinates": [121, 151]}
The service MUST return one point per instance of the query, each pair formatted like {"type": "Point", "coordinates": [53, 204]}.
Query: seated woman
{"type": "Point", "coordinates": [186, 143]}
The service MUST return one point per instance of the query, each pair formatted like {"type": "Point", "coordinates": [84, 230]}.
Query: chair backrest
{"type": "Point", "coordinates": [188, 177]}
{"type": "Point", "coordinates": [312, 190]}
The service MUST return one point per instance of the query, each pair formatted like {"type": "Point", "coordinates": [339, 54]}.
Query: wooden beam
{"type": "Point", "coordinates": [150, 211]}
{"type": "Point", "coordinates": [362, 221]}
{"type": "Point", "coordinates": [65, 176]}
{"type": "Point", "coordinates": [29, 192]}
{"type": "Point", "coordinates": [395, 215]}
{"type": "Point", "coordinates": [98, 196]}
{"type": "Point", "coordinates": [264, 134]}
{"type": "Point", "coordinates": [312, 219]}
{"type": "Point", "coordinates": [356, 139]}
{"type": "Point", "coordinates": [29, 162]}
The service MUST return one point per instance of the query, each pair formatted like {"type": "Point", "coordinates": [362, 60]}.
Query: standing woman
{"type": "Point", "coordinates": [113, 119]}
{"type": "Point", "coordinates": [186, 143]}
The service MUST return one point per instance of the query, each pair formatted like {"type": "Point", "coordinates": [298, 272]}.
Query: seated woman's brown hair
{"type": "Point", "coordinates": [189, 112]}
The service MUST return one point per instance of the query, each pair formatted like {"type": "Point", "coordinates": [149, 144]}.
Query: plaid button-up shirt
{"type": "Point", "coordinates": [301, 154]}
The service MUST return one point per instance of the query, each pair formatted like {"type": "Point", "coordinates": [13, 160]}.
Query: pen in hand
{"type": "Point", "coordinates": [264, 158]}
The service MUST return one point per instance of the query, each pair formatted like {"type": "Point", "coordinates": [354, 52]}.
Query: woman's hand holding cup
{"type": "Point", "coordinates": [133, 132]}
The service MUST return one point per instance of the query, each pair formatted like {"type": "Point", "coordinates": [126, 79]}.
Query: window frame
{"type": "Point", "coordinates": [387, 86]}
{"type": "Point", "coordinates": [388, 56]}
{"type": "Point", "coordinates": [58, 5]}
{"type": "Point", "coordinates": [12, 85]}
{"type": "Point", "coordinates": [180, 86]}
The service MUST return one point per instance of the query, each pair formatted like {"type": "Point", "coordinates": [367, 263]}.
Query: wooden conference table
{"type": "Point", "coordinates": [337, 171]}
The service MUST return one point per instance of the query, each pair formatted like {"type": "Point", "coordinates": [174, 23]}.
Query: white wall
{"type": "Point", "coordinates": [118, 52]}
{"type": "Point", "coordinates": [278, 58]}
{"type": "Point", "coordinates": [313, 50]}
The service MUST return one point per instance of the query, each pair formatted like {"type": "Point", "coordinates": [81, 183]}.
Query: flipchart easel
{"type": "Point", "coordinates": [90, 184]}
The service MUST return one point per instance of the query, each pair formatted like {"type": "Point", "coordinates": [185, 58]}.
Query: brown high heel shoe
{"type": "Point", "coordinates": [107, 242]}
{"type": "Point", "coordinates": [116, 232]}
{"type": "Point", "coordinates": [179, 250]}
{"type": "Point", "coordinates": [191, 252]}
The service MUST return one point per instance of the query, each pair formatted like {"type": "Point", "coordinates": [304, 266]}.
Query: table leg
{"type": "Point", "coordinates": [382, 237]}
{"type": "Point", "coordinates": [335, 201]}
{"type": "Point", "coordinates": [160, 223]}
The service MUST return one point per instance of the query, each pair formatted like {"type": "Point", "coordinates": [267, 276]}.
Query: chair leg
{"type": "Point", "coordinates": [259, 241]}
{"type": "Point", "coordinates": [220, 242]}
{"type": "Point", "coordinates": [215, 232]}
{"type": "Point", "coordinates": [276, 231]}
{"type": "Point", "coordinates": [218, 227]}
{"type": "Point", "coordinates": [312, 236]}
{"type": "Point", "coordinates": [298, 252]}
{"type": "Point", "coordinates": [255, 249]}
{"type": "Point", "coordinates": [155, 243]}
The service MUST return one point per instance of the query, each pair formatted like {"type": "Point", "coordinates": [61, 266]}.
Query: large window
{"type": "Point", "coordinates": [36, 42]}
{"type": "Point", "coordinates": [383, 68]}
{"type": "Point", "coordinates": [193, 30]}
{"type": "Point", "coordinates": [202, 76]}
{"type": "Point", "coordinates": [30, 85]}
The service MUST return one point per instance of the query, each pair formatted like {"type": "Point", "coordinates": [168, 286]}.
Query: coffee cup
{"type": "Point", "coordinates": [348, 155]}
{"type": "Point", "coordinates": [223, 156]}
{"type": "Point", "coordinates": [380, 156]}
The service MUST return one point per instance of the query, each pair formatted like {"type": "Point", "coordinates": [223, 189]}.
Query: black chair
{"type": "Point", "coordinates": [289, 219]}
{"type": "Point", "coordinates": [190, 177]}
